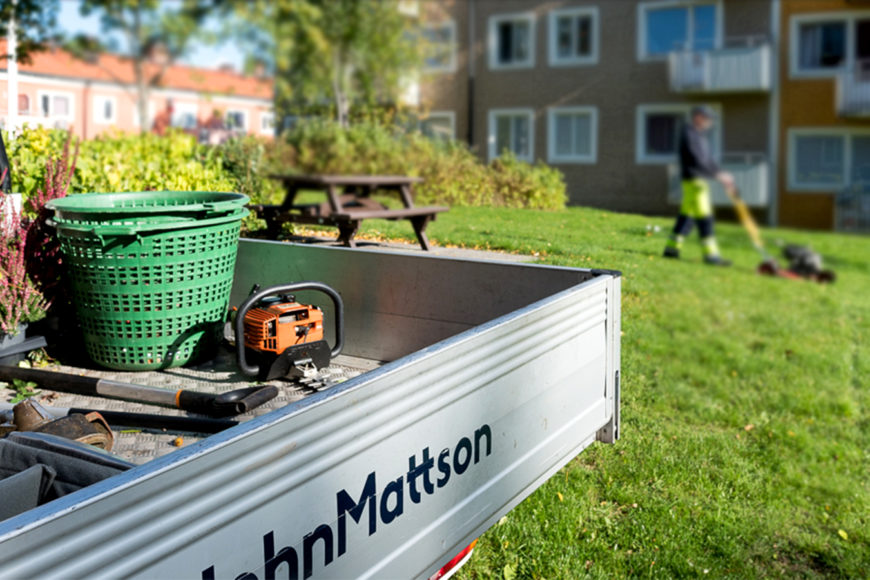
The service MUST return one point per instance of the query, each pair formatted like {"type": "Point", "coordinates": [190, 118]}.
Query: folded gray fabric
{"type": "Point", "coordinates": [69, 447]}
{"type": "Point", "coordinates": [76, 465]}
{"type": "Point", "coordinates": [25, 490]}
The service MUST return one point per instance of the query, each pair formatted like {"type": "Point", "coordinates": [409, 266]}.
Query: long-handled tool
{"type": "Point", "coordinates": [144, 420]}
{"type": "Point", "coordinates": [748, 223]}
{"type": "Point", "coordinates": [222, 405]}
{"type": "Point", "coordinates": [769, 265]}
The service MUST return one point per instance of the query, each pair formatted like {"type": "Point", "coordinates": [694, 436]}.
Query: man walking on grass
{"type": "Point", "coordinates": [697, 167]}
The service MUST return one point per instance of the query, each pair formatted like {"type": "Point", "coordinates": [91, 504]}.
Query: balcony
{"type": "Point", "coordinates": [853, 91]}
{"type": "Point", "coordinates": [750, 172]}
{"type": "Point", "coordinates": [852, 209]}
{"type": "Point", "coordinates": [742, 66]}
{"type": "Point", "coordinates": [34, 121]}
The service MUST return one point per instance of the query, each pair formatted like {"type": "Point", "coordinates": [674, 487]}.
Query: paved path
{"type": "Point", "coordinates": [461, 253]}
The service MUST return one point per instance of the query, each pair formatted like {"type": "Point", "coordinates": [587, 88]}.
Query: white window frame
{"type": "Point", "coordinates": [846, 133]}
{"type": "Point", "coordinates": [492, 40]}
{"type": "Point", "coordinates": [451, 64]}
{"type": "Point", "coordinates": [553, 33]}
{"type": "Point", "coordinates": [641, 156]}
{"type": "Point", "coordinates": [645, 7]}
{"type": "Point", "coordinates": [50, 94]}
{"type": "Point", "coordinates": [183, 107]}
{"type": "Point", "coordinates": [552, 156]}
{"type": "Point", "coordinates": [100, 107]}
{"type": "Point", "coordinates": [848, 18]}
{"type": "Point", "coordinates": [449, 115]}
{"type": "Point", "coordinates": [267, 115]}
{"type": "Point", "coordinates": [492, 125]}
{"type": "Point", "coordinates": [244, 115]}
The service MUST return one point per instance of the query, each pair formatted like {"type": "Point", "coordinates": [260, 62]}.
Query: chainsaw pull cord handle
{"type": "Point", "coordinates": [258, 295]}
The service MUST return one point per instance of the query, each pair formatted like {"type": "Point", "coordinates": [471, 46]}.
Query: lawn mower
{"type": "Point", "coordinates": [803, 262]}
{"type": "Point", "coordinates": [283, 337]}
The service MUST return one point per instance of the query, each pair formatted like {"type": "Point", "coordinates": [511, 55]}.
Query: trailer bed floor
{"type": "Point", "coordinates": [216, 376]}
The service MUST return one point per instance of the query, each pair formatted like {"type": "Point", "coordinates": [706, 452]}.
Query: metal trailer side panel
{"type": "Point", "coordinates": [396, 303]}
{"type": "Point", "coordinates": [354, 481]}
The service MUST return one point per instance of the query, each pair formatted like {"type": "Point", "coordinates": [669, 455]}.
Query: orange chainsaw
{"type": "Point", "coordinates": [282, 336]}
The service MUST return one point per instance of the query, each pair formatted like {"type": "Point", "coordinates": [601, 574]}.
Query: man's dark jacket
{"type": "Point", "coordinates": [696, 160]}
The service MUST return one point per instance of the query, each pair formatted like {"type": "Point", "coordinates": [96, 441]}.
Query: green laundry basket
{"type": "Point", "coordinates": [151, 272]}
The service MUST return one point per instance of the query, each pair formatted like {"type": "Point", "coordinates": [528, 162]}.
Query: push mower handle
{"type": "Point", "coordinates": [258, 295]}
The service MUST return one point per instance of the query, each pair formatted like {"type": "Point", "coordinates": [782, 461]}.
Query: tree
{"type": "Point", "coordinates": [34, 21]}
{"type": "Point", "coordinates": [149, 27]}
{"type": "Point", "coordinates": [345, 52]}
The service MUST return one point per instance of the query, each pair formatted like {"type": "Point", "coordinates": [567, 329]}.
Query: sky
{"type": "Point", "coordinates": [212, 56]}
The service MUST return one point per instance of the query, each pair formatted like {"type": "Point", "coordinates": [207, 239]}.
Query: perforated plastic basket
{"type": "Point", "coordinates": [151, 290]}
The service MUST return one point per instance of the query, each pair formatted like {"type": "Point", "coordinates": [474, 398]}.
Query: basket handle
{"type": "Point", "coordinates": [116, 230]}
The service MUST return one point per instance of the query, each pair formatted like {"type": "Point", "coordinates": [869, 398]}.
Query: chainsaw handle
{"type": "Point", "coordinates": [258, 295]}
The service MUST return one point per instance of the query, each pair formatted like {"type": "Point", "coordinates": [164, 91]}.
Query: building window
{"type": "Point", "coordinates": [236, 120]}
{"type": "Point", "coordinates": [670, 26]}
{"type": "Point", "coordinates": [573, 36]}
{"type": "Point", "coordinates": [440, 47]}
{"type": "Point", "coordinates": [439, 125]}
{"type": "Point", "coordinates": [824, 159]}
{"type": "Point", "coordinates": [105, 110]}
{"type": "Point", "coordinates": [512, 41]}
{"type": "Point", "coordinates": [56, 105]}
{"type": "Point", "coordinates": [267, 123]}
{"type": "Point", "coordinates": [511, 130]}
{"type": "Point", "coordinates": [23, 104]}
{"type": "Point", "coordinates": [824, 44]}
{"type": "Point", "coordinates": [573, 135]}
{"type": "Point", "coordinates": [658, 132]}
{"type": "Point", "coordinates": [184, 115]}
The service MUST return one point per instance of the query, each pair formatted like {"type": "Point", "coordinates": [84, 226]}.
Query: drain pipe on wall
{"type": "Point", "coordinates": [471, 58]}
{"type": "Point", "coordinates": [773, 112]}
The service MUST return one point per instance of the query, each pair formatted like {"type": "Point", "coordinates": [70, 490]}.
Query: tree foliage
{"type": "Point", "coordinates": [35, 22]}
{"type": "Point", "coordinates": [341, 53]}
{"type": "Point", "coordinates": [146, 25]}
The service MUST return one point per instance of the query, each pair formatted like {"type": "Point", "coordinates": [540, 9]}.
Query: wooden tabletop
{"type": "Point", "coordinates": [345, 180]}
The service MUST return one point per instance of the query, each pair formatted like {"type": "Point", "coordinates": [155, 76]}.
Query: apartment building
{"type": "Point", "coordinates": [97, 95]}
{"type": "Point", "coordinates": [599, 89]}
{"type": "Point", "coordinates": [825, 111]}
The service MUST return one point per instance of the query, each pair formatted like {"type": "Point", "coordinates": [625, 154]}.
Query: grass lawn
{"type": "Point", "coordinates": [745, 447]}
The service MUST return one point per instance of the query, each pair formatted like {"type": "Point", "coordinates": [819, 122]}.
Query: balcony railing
{"type": "Point", "coordinates": [750, 172]}
{"type": "Point", "coordinates": [853, 91]}
{"type": "Point", "coordinates": [35, 121]}
{"type": "Point", "coordinates": [852, 209]}
{"type": "Point", "coordinates": [742, 65]}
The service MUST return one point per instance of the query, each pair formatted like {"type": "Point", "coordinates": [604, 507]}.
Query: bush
{"type": "Point", "coordinates": [453, 175]}
{"type": "Point", "coordinates": [119, 162]}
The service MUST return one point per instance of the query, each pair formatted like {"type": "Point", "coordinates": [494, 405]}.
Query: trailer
{"type": "Point", "coordinates": [494, 376]}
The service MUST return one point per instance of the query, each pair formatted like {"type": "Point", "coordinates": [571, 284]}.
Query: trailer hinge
{"type": "Point", "coordinates": [610, 432]}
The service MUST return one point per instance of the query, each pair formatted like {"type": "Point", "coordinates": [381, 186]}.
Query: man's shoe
{"type": "Point", "coordinates": [716, 261]}
{"type": "Point", "coordinates": [671, 252]}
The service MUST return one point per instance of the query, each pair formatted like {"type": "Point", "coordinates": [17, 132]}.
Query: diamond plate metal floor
{"type": "Point", "coordinates": [216, 376]}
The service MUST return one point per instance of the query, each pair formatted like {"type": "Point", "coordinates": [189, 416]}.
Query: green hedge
{"type": "Point", "coordinates": [120, 163]}
{"type": "Point", "coordinates": [453, 175]}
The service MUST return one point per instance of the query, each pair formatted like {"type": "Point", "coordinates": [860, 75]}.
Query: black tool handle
{"type": "Point", "coordinates": [227, 404]}
{"type": "Point", "coordinates": [258, 295]}
{"type": "Point", "coordinates": [64, 382]}
{"type": "Point", "coordinates": [168, 422]}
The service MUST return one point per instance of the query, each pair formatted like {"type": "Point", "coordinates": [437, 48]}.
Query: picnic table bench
{"type": "Point", "coordinates": [348, 203]}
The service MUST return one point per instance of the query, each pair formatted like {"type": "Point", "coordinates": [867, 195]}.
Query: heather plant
{"type": "Point", "coordinates": [20, 299]}
{"type": "Point", "coordinates": [42, 250]}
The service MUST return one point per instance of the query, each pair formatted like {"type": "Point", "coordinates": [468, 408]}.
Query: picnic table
{"type": "Point", "coordinates": [348, 203]}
